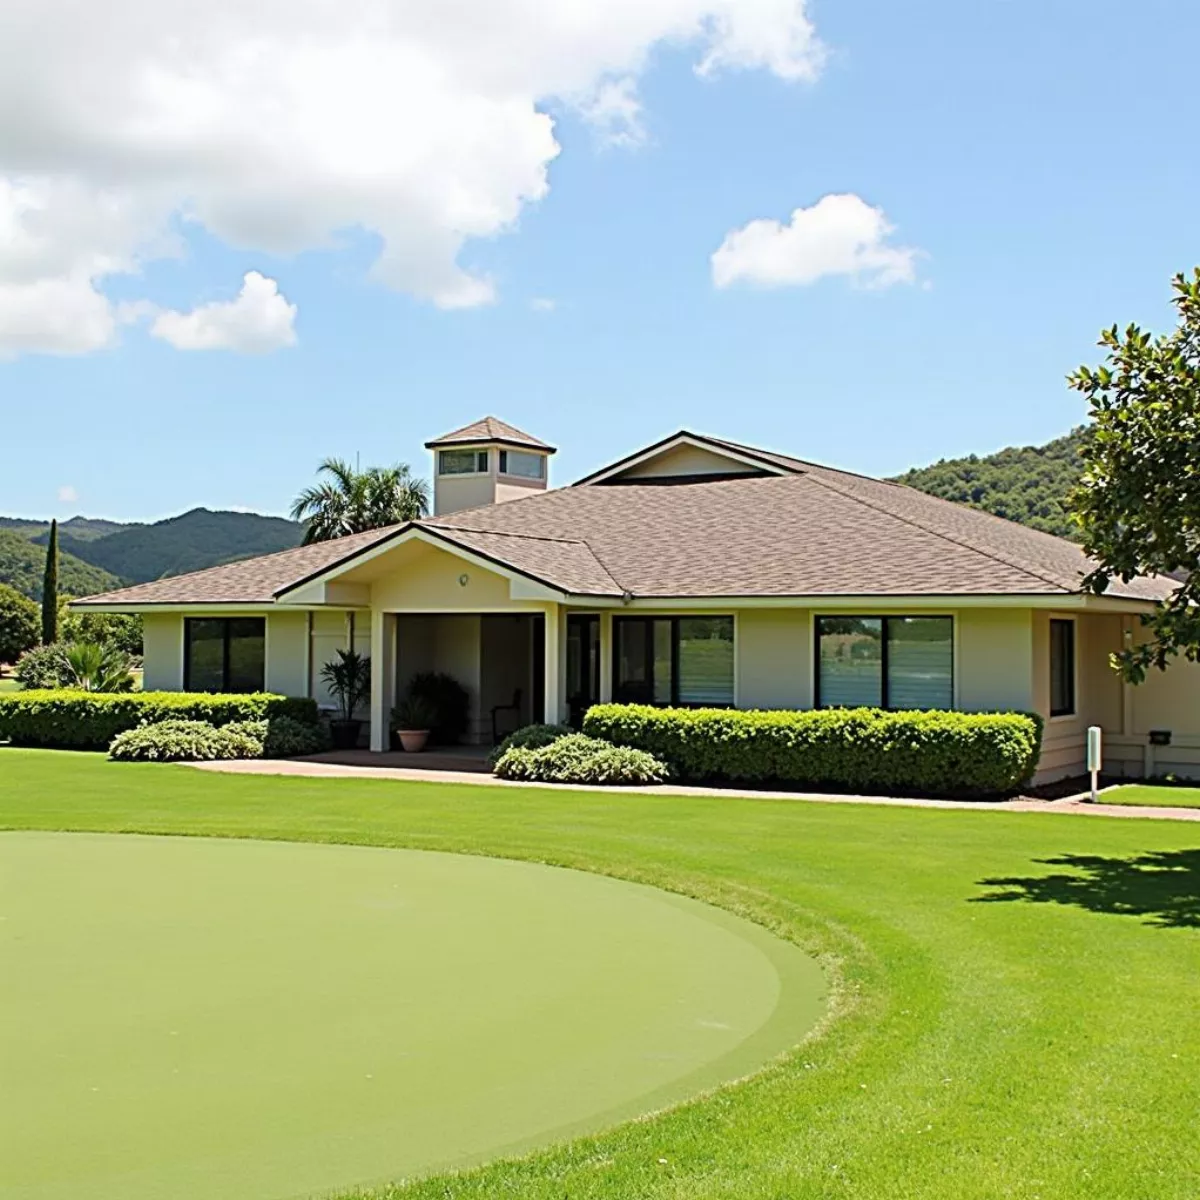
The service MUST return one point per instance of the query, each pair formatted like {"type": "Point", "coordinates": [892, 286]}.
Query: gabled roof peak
{"type": "Point", "coordinates": [488, 429]}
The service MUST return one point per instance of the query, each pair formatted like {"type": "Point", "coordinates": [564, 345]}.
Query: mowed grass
{"type": "Point", "coordinates": [1014, 994]}
{"type": "Point", "coordinates": [1147, 794]}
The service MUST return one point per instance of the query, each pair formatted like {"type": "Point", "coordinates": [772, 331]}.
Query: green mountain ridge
{"type": "Point", "coordinates": [1026, 484]}
{"type": "Point", "coordinates": [189, 542]}
{"type": "Point", "coordinates": [22, 565]}
{"type": "Point", "coordinates": [97, 555]}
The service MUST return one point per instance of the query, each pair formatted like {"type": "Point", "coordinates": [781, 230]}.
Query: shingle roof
{"type": "Point", "coordinates": [814, 531]}
{"type": "Point", "coordinates": [488, 429]}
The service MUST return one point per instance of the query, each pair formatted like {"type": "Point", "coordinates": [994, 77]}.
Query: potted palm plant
{"type": "Point", "coordinates": [412, 719]}
{"type": "Point", "coordinates": [349, 680]}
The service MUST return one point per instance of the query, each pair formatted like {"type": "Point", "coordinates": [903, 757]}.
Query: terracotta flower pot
{"type": "Point", "coordinates": [413, 740]}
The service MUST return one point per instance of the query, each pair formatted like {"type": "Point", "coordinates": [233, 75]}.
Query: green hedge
{"type": "Point", "coordinates": [856, 750]}
{"type": "Point", "coordinates": [90, 720]}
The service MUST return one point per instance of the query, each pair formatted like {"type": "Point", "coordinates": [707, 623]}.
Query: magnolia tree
{"type": "Point", "coordinates": [1138, 503]}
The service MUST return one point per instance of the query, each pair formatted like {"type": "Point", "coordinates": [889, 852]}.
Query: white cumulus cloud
{"type": "Point", "coordinates": [67, 494]}
{"type": "Point", "coordinates": [257, 321]}
{"type": "Point", "coordinates": [839, 235]}
{"type": "Point", "coordinates": [278, 125]}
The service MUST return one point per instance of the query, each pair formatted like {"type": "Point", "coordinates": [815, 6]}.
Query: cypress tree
{"type": "Point", "coordinates": [50, 589]}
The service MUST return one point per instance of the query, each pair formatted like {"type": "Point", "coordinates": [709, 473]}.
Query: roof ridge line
{"type": "Point", "coordinates": [1000, 558]}
{"type": "Point", "coordinates": [531, 537]}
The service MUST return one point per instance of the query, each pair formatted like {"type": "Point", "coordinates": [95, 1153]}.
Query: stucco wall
{"type": "Point", "coordinates": [287, 653]}
{"type": "Point", "coordinates": [686, 460]}
{"type": "Point", "coordinates": [994, 659]}
{"type": "Point", "coordinates": [452, 493]}
{"type": "Point", "coordinates": [330, 634]}
{"type": "Point", "coordinates": [419, 576]}
{"type": "Point", "coordinates": [774, 658]}
{"type": "Point", "coordinates": [162, 635]}
{"type": "Point", "coordinates": [1098, 696]}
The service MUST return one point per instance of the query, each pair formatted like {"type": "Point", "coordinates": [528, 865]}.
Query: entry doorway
{"type": "Point", "coordinates": [583, 665]}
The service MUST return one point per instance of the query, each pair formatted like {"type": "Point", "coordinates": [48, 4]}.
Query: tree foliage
{"type": "Point", "coordinates": [351, 501]}
{"type": "Point", "coordinates": [1029, 484]}
{"type": "Point", "coordinates": [1138, 502]}
{"type": "Point", "coordinates": [19, 624]}
{"type": "Point", "coordinates": [50, 588]}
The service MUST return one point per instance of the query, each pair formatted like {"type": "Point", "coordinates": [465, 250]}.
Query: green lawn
{"type": "Point", "coordinates": [9, 685]}
{"type": "Point", "coordinates": [1013, 1012]}
{"type": "Point", "coordinates": [1147, 794]}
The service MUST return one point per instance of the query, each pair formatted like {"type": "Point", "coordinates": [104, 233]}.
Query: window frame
{"type": "Point", "coordinates": [502, 465]}
{"type": "Point", "coordinates": [484, 455]}
{"type": "Point", "coordinates": [673, 620]}
{"type": "Point", "coordinates": [884, 649]}
{"type": "Point", "coordinates": [1063, 714]}
{"type": "Point", "coordinates": [227, 623]}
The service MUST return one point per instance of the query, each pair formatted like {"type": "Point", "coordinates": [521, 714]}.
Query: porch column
{"type": "Point", "coordinates": [606, 657]}
{"type": "Point", "coordinates": [383, 676]}
{"type": "Point", "coordinates": [555, 627]}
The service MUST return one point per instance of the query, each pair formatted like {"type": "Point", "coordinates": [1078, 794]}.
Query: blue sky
{"type": "Point", "coordinates": [1035, 154]}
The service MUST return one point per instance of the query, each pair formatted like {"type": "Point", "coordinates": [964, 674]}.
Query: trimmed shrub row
{"type": "Point", "coordinates": [189, 741]}
{"type": "Point", "coordinates": [858, 750]}
{"type": "Point", "coordinates": [90, 720]}
{"type": "Point", "coordinates": [575, 758]}
{"type": "Point", "coordinates": [196, 741]}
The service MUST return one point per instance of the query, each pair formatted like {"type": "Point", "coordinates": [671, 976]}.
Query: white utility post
{"type": "Point", "coordinates": [1095, 757]}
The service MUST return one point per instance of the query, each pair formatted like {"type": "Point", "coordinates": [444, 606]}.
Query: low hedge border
{"type": "Point", "coordinates": [576, 758]}
{"type": "Point", "coordinates": [857, 750]}
{"type": "Point", "coordinates": [64, 719]}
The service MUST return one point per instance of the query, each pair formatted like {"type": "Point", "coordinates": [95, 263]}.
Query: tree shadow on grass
{"type": "Point", "coordinates": [1161, 886]}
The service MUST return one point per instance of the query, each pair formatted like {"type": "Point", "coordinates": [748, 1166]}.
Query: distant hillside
{"type": "Point", "coordinates": [190, 542]}
{"type": "Point", "coordinates": [85, 529]}
{"type": "Point", "coordinates": [22, 564]}
{"type": "Point", "coordinates": [1028, 484]}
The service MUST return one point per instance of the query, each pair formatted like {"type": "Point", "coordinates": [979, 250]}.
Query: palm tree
{"type": "Point", "coordinates": [352, 501]}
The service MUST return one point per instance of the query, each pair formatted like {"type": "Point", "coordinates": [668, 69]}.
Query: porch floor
{"type": "Point", "coordinates": [472, 759]}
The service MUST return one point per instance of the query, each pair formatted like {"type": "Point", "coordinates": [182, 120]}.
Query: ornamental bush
{"type": "Point", "coordinates": [44, 667]}
{"type": "Point", "coordinates": [189, 741]}
{"type": "Point", "coordinates": [90, 720]}
{"type": "Point", "coordinates": [857, 750]}
{"type": "Point", "coordinates": [288, 738]}
{"type": "Point", "coordinates": [576, 758]}
{"type": "Point", "coordinates": [529, 737]}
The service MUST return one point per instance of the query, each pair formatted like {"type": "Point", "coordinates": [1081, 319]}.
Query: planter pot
{"type": "Point", "coordinates": [413, 740]}
{"type": "Point", "coordinates": [344, 734]}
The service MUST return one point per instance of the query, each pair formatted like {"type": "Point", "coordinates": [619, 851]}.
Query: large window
{"type": "Point", "coordinates": [463, 462]}
{"type": "Point", "coordinates": [1062, 668]}
{"type": "Point", "coordinates": [673, 660]}
{"type": "Point", "coordinates": [885, 662]}
{"type": "Point", "coordinates": [523, 464]}
{"type": "Point", "coordinates": [224, 654]}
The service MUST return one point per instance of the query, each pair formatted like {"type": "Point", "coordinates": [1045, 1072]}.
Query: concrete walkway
{"type": "Point", "coordinates": [324, 770]}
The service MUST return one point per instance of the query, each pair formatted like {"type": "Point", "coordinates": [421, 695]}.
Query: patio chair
{"type": "Point", "coordinates": [514, 707]}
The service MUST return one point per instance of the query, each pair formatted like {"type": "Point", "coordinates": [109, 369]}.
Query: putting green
{"type": "Point", "coordinates": [195, 1018]}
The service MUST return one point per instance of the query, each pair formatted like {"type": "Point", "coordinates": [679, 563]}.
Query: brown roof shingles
{"type": "Point", "coordinates": [815, 531]}
{"type": "Point", "coordinates": [489, 429]}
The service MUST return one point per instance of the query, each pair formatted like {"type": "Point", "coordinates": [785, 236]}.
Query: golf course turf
{"type": "Point", "coordinates": [213, 1018]}
{"type": "Point", "coordinates": [1012, 997]}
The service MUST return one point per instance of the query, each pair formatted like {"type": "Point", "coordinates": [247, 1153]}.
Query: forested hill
{"type": "Point", "coordinates": [96, 556]}
{"type": "Point", "coordinates": [1023, 483]}
{"type": "Point", "coordinates": [190, 542]}
{"type": "Point", "coordinates": [22, 565]}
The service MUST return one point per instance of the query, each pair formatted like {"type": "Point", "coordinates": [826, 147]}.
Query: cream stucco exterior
{"type": "Point", "coordinates": [421, 605]}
